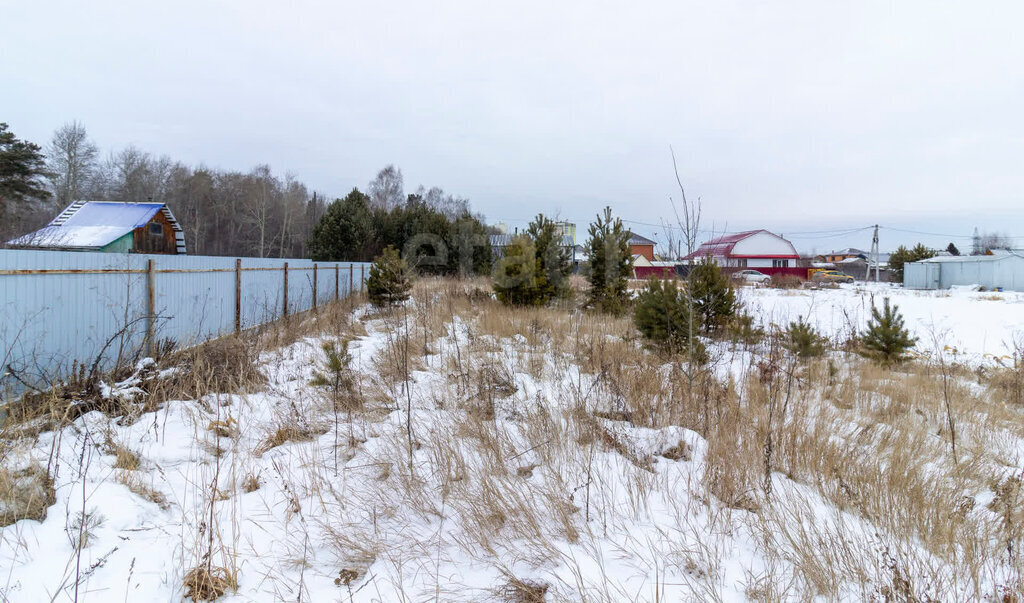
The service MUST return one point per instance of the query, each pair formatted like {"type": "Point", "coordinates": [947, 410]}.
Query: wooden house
{"type": "Point", "coordinates": [110, 227]}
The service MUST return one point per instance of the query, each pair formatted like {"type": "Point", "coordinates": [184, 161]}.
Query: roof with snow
{"type": "Point", "coordinates": [96, 224]}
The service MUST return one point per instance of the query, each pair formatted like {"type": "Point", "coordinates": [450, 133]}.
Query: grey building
{"type": "Point", "coordinates": [1002, 270]}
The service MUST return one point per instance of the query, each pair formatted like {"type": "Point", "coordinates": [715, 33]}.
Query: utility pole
{"type": "Point", "coordinates": [874, 253]}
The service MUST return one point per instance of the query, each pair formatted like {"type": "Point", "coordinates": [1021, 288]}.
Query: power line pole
{"type": "Point", "coordinates": [874, 253]}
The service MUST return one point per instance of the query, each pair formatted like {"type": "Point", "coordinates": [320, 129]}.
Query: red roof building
{"type": "Point", "coordinates": [758, 249]}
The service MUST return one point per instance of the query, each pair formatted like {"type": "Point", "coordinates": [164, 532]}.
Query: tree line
{"type": "Point", "coordinates": [255, 213]}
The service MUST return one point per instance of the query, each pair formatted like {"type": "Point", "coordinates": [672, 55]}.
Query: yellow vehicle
{"type": "Point", "coordinates": [831, 276]}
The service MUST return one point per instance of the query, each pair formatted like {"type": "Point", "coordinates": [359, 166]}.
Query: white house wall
{"type": "Point", "coordinates": [764, 243]}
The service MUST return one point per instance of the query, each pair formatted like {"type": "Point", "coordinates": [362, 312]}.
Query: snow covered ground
{"type": "Point", "coordinates": [532, 452]}
{"type": "Point", "coordinates": [977, 326]}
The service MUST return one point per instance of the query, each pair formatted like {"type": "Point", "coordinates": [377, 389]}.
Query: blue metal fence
{"type": "Point", "coordinates": [60, 308]}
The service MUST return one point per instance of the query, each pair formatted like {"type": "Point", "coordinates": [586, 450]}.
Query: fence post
{"type": "Point", "coordinates": [238, 296]}
{"type": "Point", "coordinates": [351, 279]}
{"type": "Point", "coordinates": [314, 285]}
{"type": "Point", "coordinates": [362, 278]}
{"type": "Point", "coordinates": [336, 271]}
{"type": "Point", "coordinates": [286, 288]}
{"type": "Point", "coordinates": [150, 309]}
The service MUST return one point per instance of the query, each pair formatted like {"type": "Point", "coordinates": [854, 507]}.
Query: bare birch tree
{"type": "Point", "coordinates": [72, 161]}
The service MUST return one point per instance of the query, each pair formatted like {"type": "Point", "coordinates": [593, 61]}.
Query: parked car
{"type": "Point", "coordinates": [831, 276]}
{"type": "Point", "coordinates": [751, 276]}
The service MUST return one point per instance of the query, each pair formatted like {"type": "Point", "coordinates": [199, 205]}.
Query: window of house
{"type": "Point", "coordinates": [156, 229]}
{"type": "Point", "coordinates": [742, 262]}
{"type": "Point", "coordinates": [780, 263]}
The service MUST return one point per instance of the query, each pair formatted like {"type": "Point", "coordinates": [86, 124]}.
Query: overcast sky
{"type": "Point", "coordinates": [795, 116]}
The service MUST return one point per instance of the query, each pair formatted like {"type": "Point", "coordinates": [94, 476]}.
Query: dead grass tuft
{"type": "Point", "coordinates": [209, 583]}
{"type": "Point", "coordinates": [25, 494]}
{"type": "Point", "coordinates": [524, 591]}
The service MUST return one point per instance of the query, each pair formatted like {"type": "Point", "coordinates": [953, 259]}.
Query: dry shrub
{"type": "Point", "coordinates": [133, 480]}
{"type": "Point", "coordinates": [288, 433]}
{"type": "Point", "coordinates": [524, 591]}
{"type": "Point", "coordinates": [224, 365]}
{"type": "Point", "coordinates": [25, 494]}
{"type": "Point", "coordinates": [250, 483]}
{"type": "Point", "coordinates": [679, 452]}
{"type": "Point", "coordinates": [786, 281]}
{"type": "Point", "coordinates": [206, 583]}
{"type": "Point", "coordinates": [227, 428]}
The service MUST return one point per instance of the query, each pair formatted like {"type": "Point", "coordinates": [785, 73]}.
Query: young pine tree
{"type": "Point", "coordinates": [714, 299]}
{"type": "Point", "coordinates": [554, 260]}
{"type": "Point", "coordinates": [885, 339]}
{"type": "Point", "coordinates": [803, 340]}
{"type": "Point", "coordinates": [610, 263]}
{"type": "Point", "coordinates": [662, 316]}
{"type": "Point", "coordinates": [515, 274]}
{"type": "Point", "coordinates": [389, 281]}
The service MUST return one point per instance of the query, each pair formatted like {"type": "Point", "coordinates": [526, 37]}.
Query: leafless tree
{"type": "Point", "coordinates": [387, 190]}
{"type": "Point", "coordinates": [72, 161]}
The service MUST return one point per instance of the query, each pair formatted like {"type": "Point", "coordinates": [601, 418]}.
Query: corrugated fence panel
{"type": "Point", "coordinates": [84, 306]}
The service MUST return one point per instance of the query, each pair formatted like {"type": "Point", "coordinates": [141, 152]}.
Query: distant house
{"type": "Point", "coordinates": [639, 245]}
{"type": "Point", "coordinates": [111, 227]}
{"type": "Point", "coordinates": [757, 249]}
{"type": "Point", "coordinates": [500, 242]}
{"type": "Point", "coordinates": [842, 254]}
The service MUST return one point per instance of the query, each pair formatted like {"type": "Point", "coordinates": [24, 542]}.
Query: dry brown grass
{"type": "Point", "coordinates": [25, 494]}
{"type": "Point", "coordinates": [135, 482]}
{"type": "Point", "coordinates": [206, 583]}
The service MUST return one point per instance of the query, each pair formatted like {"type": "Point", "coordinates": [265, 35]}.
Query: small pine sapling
{"type": "Point", "coordinates": [389, 281]}
{"type": "Point", "coordinates": [610, 264]}
{"type": "Point", "coordinates": [803, 340]}
{"type": "Point", "coordinates": [886, 339]}
{"type": "Point", "coordinates": [338, 379]}
{"type": "Point", "coordinates": [662, 315]}
{"type": "Point", "coordinates": [516, 274]}
{"type": "Point", "coordinates": [714, 299]}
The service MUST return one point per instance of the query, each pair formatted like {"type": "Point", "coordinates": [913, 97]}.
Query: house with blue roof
{"type": "Point", "coordinates": [111, 227]}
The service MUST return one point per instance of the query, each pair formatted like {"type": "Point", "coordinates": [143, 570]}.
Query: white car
{"type": "Point", "coordinates": [752, 277]}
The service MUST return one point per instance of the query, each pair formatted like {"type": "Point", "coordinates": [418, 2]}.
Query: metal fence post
{"type": "Point", "coordinates": [351, 278]}
{"type": "Point", "coordinates": [238, 296]}
{"type": "Point", "coordinates": [362, 278]}
{"type": "Point", "coordinates": [150, 310]}
{"type": "Point", "coordinates": [314, 285]}
{"type": "Point", "coordinates": [336, 272]}
{"type": "Point", "coordinates": [286, 288]}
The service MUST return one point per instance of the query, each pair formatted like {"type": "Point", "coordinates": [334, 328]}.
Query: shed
{"type": "Point", "coordinates": [1004, 271]}
{"type": "Point", "coordinates": [108, 226]}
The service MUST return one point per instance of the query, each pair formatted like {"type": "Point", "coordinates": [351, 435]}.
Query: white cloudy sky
{"type": "Point", "coordinates": [802, 115]}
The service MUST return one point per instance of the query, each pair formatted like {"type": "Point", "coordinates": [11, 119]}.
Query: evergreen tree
{"type": "Point", "coordinates": [803, 340]}
{"type": "Point", "coordinates": [22, 169]}
{"type": "Point", "coordinates": [344, 231]}
{"type": "Point", "coordinates": [662, 315]}
{"type": "Point", "coordinates": [714, 299]}
{"type": "Point", "coordinates": [902, 255]}
{"type": "Point", "coordinates": [554, 260]}
{"type": "Point", "coordinates": [516, 274]}
{"type": "Point", "coordinates": [389, 282]}
{"type": "Point", "coordinates": [952, 249]}
{"type": "Point", "coordinates": [886, 339]}
{"type": "Point", "coordinates": [610, 263]}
